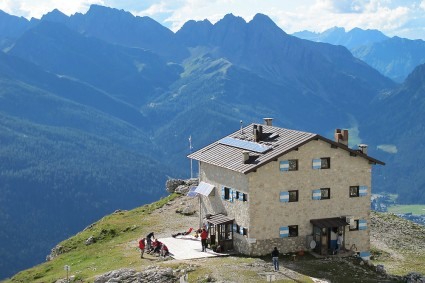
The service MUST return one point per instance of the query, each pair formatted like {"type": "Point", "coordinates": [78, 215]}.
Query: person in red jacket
{"type": "Point", "coordinates": [142, 247]}
{"type": "Point", "coordinates": [204, 236]}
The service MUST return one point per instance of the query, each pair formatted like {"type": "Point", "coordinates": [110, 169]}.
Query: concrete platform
{"type": "Point", "coordinates": [187, 247]}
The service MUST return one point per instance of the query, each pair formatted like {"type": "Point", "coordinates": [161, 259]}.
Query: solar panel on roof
{"type": "Point", "coordinates": [248, 145]}
{"type": "Point", "coordinates": [192, 192]}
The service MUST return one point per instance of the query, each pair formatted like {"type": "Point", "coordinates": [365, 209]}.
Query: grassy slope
{"type": "Point", "coordinates": [415, 209]}
{"type": "Point", "coordinates": [116, 248]}
{"type": "Point", "coordinates": [397, 243]}
{"type": "Point", "coordinates": [111, 251]}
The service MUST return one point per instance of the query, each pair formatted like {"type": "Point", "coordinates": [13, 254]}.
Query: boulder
{"type": "Point", "coordinates": [90, 240]}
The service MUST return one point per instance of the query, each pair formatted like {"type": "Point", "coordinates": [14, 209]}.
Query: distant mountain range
{"type": "Point", "coordinates": [394, 57]}
{"type": "Point", "coordinates": [96, 110]}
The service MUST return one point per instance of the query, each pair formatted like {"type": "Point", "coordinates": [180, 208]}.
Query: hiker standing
{"type": "Point", "coordinates": [339, 241]}
{"type": "Point", "coordinates": [149, 241]}
{"type": "Point", "coordinates": [275, 258]}
{"type": "Point", "coordinates": [204, 236]}
{"type": "Point", "coordinates": [142, 247]}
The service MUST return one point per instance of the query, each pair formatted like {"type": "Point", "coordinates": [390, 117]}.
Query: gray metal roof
{"type": "Point", "coordinates": [329, 222]}
{"type": "Point", "coordinates": [279, 140]}
{"type": "Point", "coordinates": [217, 219]}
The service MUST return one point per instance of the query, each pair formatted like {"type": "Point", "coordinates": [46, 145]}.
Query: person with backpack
{"type": "Point", "coordinates": [149, 238]}
{"type": "Point", "coordinates": [142, 247]}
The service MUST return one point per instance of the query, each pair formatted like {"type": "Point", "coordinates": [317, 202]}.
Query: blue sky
{"type": "Point", "coordinates": [404, 18]}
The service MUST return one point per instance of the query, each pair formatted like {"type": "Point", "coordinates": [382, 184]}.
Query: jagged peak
{"type": "Point", "coordinates": [264, 21]}
{"type": "Point", "coordinates": [230, 18]}
{"type": "Point", "coordinates": [191, 23]}
{"type": "Point", "coordinates": [95, 9]}
{"type": "Point", "coordinates": [54, 15]}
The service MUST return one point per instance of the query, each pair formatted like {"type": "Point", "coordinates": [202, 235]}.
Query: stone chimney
{"type": "Point", "coordinates": [341, 136]}
{"type": "Point", "coordinates": [268, 121]}
{"type": "Point", "coordinates": [256, 133]}
{"type": "Point", "coordinates": [363, 148]}
{"type": "Point", "coordinates": [245, 156]}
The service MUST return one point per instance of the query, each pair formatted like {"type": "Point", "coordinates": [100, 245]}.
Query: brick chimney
{"type": "Point", "coordinates": [256, 133]}
{"type": "Point", "coordinates": [341, 136]}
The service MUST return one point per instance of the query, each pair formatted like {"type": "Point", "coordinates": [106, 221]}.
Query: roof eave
{"type": "Point", "coordinates": [342, 146]}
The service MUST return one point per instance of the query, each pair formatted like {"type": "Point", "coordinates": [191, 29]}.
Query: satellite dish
{"type": "Point", "coordinates": [312, 244]}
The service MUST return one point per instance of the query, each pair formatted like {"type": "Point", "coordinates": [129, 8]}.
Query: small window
{"type": "Point", "coordinates": [245, 197]}
{"type": "Point", "coordinates": [245, 231]}
{"type": "Point", "coordinates": [325, 193]}
{"type": "Point", "coordinates": [293, 196]}
{"type": "Point", "coordinates": [289, 165]}
{"type": "Point", "coordinates": [326, 163]}
{"type": "Point", "coordinates": [236, 228]}
{"type": "Point", "coordinates": [237, 194]}
{"type": "Point", "coordinates": [354, 225]}
{"type": "Point", "coordinates": [293, 231]}
{"type": "Point", "coordinates": [354, 191]}
{"type": "Point", "coordinates": [293, 165]}
{"type": "Point", "coordinates": [226, 193]}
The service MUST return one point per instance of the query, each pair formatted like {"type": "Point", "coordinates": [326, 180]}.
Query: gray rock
{"type": "Point", "coordinates": [381, 269]}
{"type": "Point", "coordinates": [90, 240]}
{"type": "Point", "coordinates": [125, 275]}
{"type": "Point", "coordinates": [180, 186]}
{"type": "Point", "coordinates": [414, 277]}
{"type": "Point", "coordinates": [172, 184]}
{"type": "Point", "coordinates": [55, 252]}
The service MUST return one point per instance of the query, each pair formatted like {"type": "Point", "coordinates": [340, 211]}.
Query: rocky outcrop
{"type": "Point", "coordinates": [414, 277]}
{"type": "Point", "coordinates": [55, 252]}
{"type": "Point", "coordinates": [180, 186]}
{"type": "Point", "coordinates": [151, 274]}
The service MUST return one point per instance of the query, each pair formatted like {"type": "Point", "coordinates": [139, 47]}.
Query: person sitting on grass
{"type": "Point", "coordinates": [156, 246]}
{"type": "Point", "coordinates": [164, 251]}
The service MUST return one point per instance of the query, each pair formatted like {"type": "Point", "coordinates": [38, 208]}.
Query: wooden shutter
{"type": "Point", "coordinates": [317, 163]}
{"type": "Point", "coordinates": [223, 194]}
{"type": "Point", "coordinates": [241, 230]}
{"type": "Point", "coordinates": [284, 165]}
{"type": "Point", "coordinates": [363, 191]}
{"type": "Point", "coordinates": [362, 224]}
{"type": "Point", "coordinates": [232, 195]}
{"type": "Point", "coordinates": [284, 196]}
{"type": "Point", "coordinates": [240, 196]}
{"type": "Point", "coordinates": [317, 194]}
{"type": "Point", "coordinates": [284, 232]}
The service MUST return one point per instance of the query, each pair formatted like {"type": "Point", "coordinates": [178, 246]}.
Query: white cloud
{"type": "Point", "coordinates": [389, 148]}
{"type": "Point", "coordinates": [154, 9]}
{"type": "Point", "coordinates": [36, 9]}
{"type": "Point", "coordinates": [393, 17]}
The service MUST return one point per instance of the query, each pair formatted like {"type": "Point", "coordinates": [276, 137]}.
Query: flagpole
{"type": "Point", "coordinates": [190, 149]}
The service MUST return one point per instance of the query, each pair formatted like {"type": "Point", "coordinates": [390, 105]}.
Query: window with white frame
{"type": "Point", "coordinates": [322, 163]}
{"type": "Point", "coordinates": [288, 165]}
